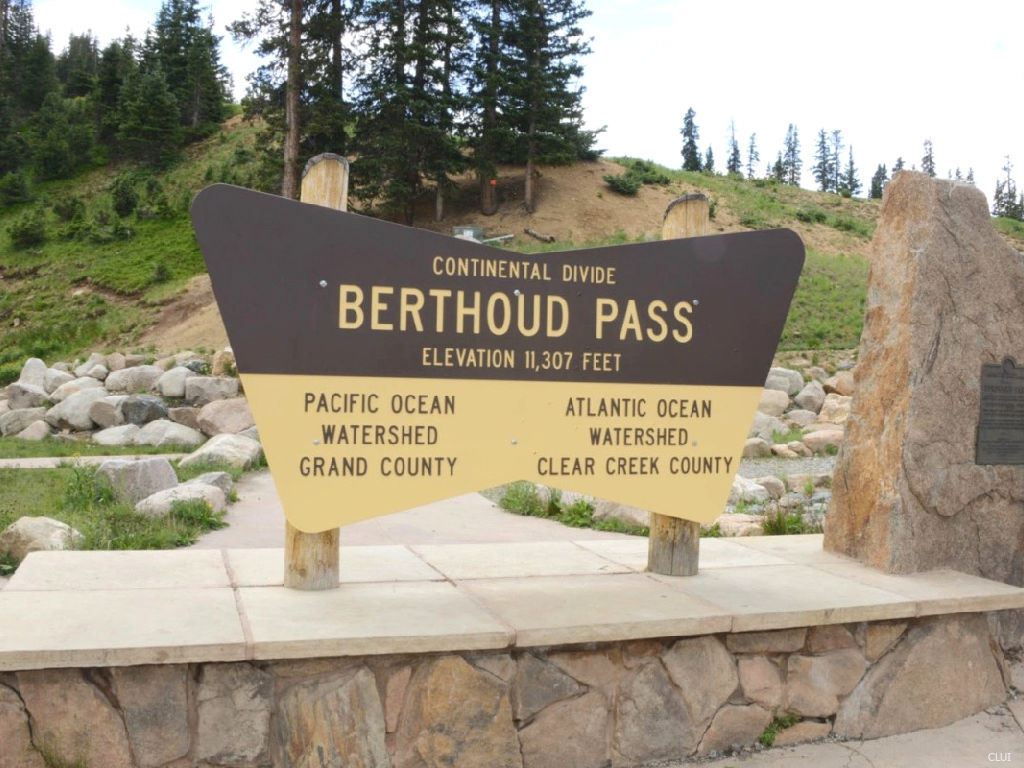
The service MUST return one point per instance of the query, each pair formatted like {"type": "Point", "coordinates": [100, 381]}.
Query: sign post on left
{"type": "Point", "coordinates": [311, 560]}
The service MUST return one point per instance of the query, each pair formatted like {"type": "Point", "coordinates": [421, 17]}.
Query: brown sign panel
{"type": "Point", "coordinates": [1001, 420]}
{"type": "Point", "coordinates": [389, 366]}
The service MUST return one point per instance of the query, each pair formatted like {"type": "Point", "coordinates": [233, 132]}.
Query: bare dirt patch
{"type": "Point", "coordinates": [189, 321]}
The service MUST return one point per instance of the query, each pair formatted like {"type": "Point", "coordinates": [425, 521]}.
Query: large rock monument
{"type": "Point", "coordinates": [945, 309]}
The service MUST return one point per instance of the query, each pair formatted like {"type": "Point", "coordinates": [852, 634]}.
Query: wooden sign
{"type": "Point", "coordinates": [388, 367]}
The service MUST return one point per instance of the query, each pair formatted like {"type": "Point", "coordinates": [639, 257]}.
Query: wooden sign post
{"type": "Point", "coordinates": [311, 560]}
{"type": "Point", "coordinates": [674, 545]}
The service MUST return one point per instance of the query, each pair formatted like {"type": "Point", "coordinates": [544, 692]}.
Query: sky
{"type": "Point", "coordinates": [887, 74]}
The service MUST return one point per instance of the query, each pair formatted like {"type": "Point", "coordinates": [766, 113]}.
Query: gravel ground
{"type": "Point", "coordinates": [754, 468]}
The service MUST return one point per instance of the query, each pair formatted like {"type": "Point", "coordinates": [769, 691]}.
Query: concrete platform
{"type": "Point", "coordinates": [76, 609]}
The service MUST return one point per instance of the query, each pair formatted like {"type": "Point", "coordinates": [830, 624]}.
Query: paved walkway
{"type": "Point", "coordinates": [256, 520]}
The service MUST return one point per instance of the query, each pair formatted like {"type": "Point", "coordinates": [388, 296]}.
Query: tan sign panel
{"type": "Point", "coordinates": [388, 367]}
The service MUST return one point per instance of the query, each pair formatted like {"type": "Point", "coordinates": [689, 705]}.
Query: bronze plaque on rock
{"type": "Point", "coordinates": [1001, 422]}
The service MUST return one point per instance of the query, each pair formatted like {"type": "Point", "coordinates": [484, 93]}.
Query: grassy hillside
{"type": "Point", "coordinates": [100, 279]}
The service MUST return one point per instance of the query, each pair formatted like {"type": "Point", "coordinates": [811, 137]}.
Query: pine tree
{"type": "Point", "coordinates": [791, 161]}
{"type": "Point", "coordinates": [752, 155]}
{"type": "Point", "coordinates": [849, 185]}
{"type": "Point", "coordinates": [970, 176]}
{"type": "Point", "coordinates": [837, 147]}
{"type": "Point", "coordinates": [690, 132]}
{"type": "Point", "coordinates": [733, 165]}
{"type": "Point", "coordinates": [878, 181]}
{"type": "Point", "coordinates": [778, 171]}
{"type": "Point", "coordinates": [928, 160]}
{"type": "Point", "coordinates": [78, 65]}
{"type": "Point", "coordinates": [545, 104]}
{"type": "Point", "coordinates": [117, 65]}
{"type": "Point", "coordinates": [823, 163]}
{"type": "Point", "coordinates": [709, 161]}
{"type": "Point", "coordinates": [187, 52]}
{"type": "Point", "coordinates": [897, 166]}
{"type": "Point", "coordinates": [149, 127]}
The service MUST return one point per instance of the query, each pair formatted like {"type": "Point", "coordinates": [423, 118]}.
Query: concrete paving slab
{"type": "Point", "coordinates": [514, 560]}
{"type": "Point", "coordinates": [937, 592]}
{"type": "Point", "coordinates": [714, 553]}
{"type": "Point", "coordinates": [557, 610]}
{"type": "Point", "coordinates": [987, 739]}
{"type": "Point", "coordinates": [368, 619]}
{"type": "Point", "coordinates": [113, 628]}
{"type": "Point", "coordinates": [804, 548]}
{"type": "Point", "coordinates": [50, 463]}
{"type": "Point", "coordinates": [159, 569]}
{"type": "Point", "coordinates": [265, 567]}
{"type": "Point", "coordinates": [779, 596]}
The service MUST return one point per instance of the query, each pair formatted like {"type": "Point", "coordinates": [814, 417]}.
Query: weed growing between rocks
{"type": "Point", "coordinates": [781, 523]}
{"type": "Point", "coordinates": [779, 723]}
{"type": "Point", "coordinates": [523, 498]}
{"type": "Point", "coordinates": [8, 564]}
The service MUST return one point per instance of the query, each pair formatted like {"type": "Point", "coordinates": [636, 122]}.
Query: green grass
{"type": "Point", "coordinates": [201, 468]}
{"type": "Point", "coordinates": [77, 496]}
{"type": "Point", "coordinates": [522, 498]}
{"type": "Point", "coordinates": [789, 436]}
{"type": "Point", "coordinates": [1012, 228]}
{"type": "Point", "coordinates": [782, 524]}
{"type": "Point", "coordinates": [828, 307]}
{"type": "Point", "coordinates": [13, 448]}
{"type": "Point", "coordinates": [119, 281]}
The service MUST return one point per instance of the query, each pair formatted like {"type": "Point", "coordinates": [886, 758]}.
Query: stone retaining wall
{"type": "Point", "coordinates": [618, 704]}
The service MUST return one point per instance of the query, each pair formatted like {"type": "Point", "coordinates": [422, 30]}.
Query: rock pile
{"type": "Point", "coordinates": [816, 410]}
{"type": "Point", "coordinates": [117, 399]}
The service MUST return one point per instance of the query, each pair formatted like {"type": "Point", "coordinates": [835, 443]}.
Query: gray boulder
{"type": "Point", "coordinates": [5, 407]}
{"type": "Point", "coordinates": [220, 480]}
{"type": "Point", "coordinates": [764, 425]}
{"type": "Point", "coordinates": [98, 372]}
{"type": "Point", "coordinates": [232, 450]}
{"type": "Point", "coordinates": [160, 502]}
{"type": "Point", "coordinates": [777, 383]}
{"type": "Point", "coordinates": [55, 378]}
{"type": "Point", "coordinates": [225, 416]}
{"type": "Point", "coordinates": [37, 534]}
{"type": "Point", "coordinates": [172, 383]}
{"type": "Point", "coordinates": [114, 362]}
{"type": "Point", "coordinates": [120, 435]}
{"type": "Point", "coordinates": [73, 411]}
{"type": "Point", "coordinates": [756, 448]}
{"type": "Point", "coordinates": [605, 510]}
{"type": "Point", "coordinates": [795, 379]}
{"type": "Point", "coordinates": [745, 489]}
{"type": "Point", "coordinates": [13, 422]}
{"type": "Point", "coordinates": [166, 433]}
{"type": "Point", "coordinates": [36, 431]}
{"type": "Point", "coordinates": [61, 366]}
{"type": "Point", "coordinates": [798, 417]}
{"type": "Point", "coordinates": [105, 413]}
{"type": "Point", "coordinates": [142, 409]}
{"type": "Point", "coordinates": [73, 387]}
{"type": "Point", "coordinates": [94, 359]}
{"type": "Point", "coordinates": [811, 397]}
{"type": "Point", "coordinates": [22, 395]}
{"type": "Point", "coordinates": [134, 480]}
{"type": "Point", "coordinates": [138, 378]}
{"type": "Point", "coordinates": [253, 433]}
{"type": "Point", "coordinates": [33, 373]}
{"type": "Point", "coordinates": [200, 390]}
{"type": "Point", "coordinates": [773, 402]}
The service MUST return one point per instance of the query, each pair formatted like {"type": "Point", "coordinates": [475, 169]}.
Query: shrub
{"type": "Point", "coordinates": [28, 230]}
{"type": "Point", "coordinates": [812, 216]}
{"type": "Point", "coordinates": [69, 208]}
{"type": "Point", "coordinates": [126, 198]}
{"type": "Point", "coordinates": [14, 189]}
{"type": "Point", "coordinates": [624, 184]}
